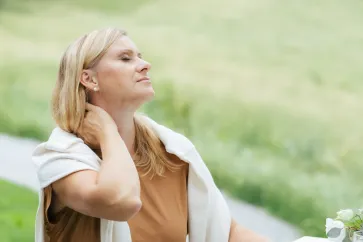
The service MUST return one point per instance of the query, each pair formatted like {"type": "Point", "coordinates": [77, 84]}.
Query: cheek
{"type": "Point", "coordinates": [114, 74]}
{"type": "Point", "coordinates": [109, 71]}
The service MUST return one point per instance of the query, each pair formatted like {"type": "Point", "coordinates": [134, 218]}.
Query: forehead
{"type": "Point", "coordinates": [121, 44]}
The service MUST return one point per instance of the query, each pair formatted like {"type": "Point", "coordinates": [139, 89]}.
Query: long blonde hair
{"type": "Point", "coordinates": [70, 96]}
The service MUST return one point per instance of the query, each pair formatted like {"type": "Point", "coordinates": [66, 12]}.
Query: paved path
{"type": "Point", "coordinates": [16, 166]}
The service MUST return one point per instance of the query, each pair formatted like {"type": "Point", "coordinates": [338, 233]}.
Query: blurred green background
{"type": "Point", "coordinates": [269, 91]}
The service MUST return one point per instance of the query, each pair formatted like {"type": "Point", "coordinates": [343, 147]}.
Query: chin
{"type": "Point", "coordinates": [150, 96]}
{"type": "Point", "coordinates": [147, 96]}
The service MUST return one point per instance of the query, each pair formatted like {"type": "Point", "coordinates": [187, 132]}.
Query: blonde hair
{"type": "Point", "coordinates": [70, 96]}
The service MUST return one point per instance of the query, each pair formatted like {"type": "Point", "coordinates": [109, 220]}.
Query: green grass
{"type": "Point", "coordinates": [269, 91]}
{"type": "Point", "coordinates": [17, 213]}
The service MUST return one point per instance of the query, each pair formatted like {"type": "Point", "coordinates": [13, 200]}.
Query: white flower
{"type": "Point", "coordinates": [360, 211]}
{"type": "Point", "coordinates": [346, 214]}
{"type": "Point", "coordinates": [335, 230]}
{"type": "Point", "coordinates": [331, 223]}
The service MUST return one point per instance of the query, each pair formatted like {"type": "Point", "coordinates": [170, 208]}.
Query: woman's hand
{"type": "Point", "coordinates": [96, 125]}
{"type": "Point", "coordinates": [241, 234]}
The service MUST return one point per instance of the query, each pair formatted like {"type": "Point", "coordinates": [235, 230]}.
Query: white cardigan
{"type": "Point", "coordinates": [64, 153]}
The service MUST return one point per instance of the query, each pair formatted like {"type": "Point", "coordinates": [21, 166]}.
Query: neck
{"type": "Point", "coordinates": [126, 127]}
{"type": "Point", "coordinates": [124, 119]}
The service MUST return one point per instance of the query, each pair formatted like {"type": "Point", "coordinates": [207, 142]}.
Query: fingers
{"type": "Point", "coordinates": [90, 107]}
{"type": "Point", "coordinates": [79, 131]}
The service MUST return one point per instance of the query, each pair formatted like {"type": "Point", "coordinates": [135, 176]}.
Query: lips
{"type": "Point", "coordinates": [146, 78]}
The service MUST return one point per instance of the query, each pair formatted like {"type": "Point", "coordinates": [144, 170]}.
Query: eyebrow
{"type": "Point", "coordinates": [128, 51]}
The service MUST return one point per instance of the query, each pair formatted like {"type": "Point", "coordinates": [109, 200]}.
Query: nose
{"type": "Point", "coordinates": [144, 66]}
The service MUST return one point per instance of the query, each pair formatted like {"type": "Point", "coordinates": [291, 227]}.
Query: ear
{"type": "Point", "coordinates": [88, 80]}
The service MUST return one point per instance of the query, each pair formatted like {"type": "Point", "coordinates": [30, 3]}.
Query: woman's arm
{"type": "Point", "coordinates": [241, 234]}
{"type": "Point", "coordinates": [114, 191]}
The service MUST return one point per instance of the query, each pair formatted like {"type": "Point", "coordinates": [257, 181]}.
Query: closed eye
{"type": "Point", "coordinates": [127, 55]}
{"type": "Point", "coordinates": [125, 58]}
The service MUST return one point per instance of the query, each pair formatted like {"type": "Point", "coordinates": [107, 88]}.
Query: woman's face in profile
{"type": "Point", "coordinates": [122, 74]}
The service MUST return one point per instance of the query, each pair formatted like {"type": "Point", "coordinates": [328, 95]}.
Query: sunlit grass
{"type": "Point", "coordinates": [17, 213]}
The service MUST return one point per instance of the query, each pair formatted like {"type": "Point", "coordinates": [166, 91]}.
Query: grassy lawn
{"type": "Point", "coordinates": [269, 91]}
{"type": "Point", "coordinates": [17, 213]}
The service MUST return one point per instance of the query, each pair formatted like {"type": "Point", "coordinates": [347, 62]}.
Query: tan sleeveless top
{"type": "Point", "coordinates": [164, 213]}
{"type": "Point", "coordinates": [163, 216]}
{"type": "Point", "coordinates": [67, 224]}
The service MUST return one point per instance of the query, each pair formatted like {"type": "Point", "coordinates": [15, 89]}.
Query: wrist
{"type": "Point", "coordinates": [109, 133]}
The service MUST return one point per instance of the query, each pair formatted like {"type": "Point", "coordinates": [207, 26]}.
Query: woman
{"type": "Point", "coordinates": [109, 174]}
